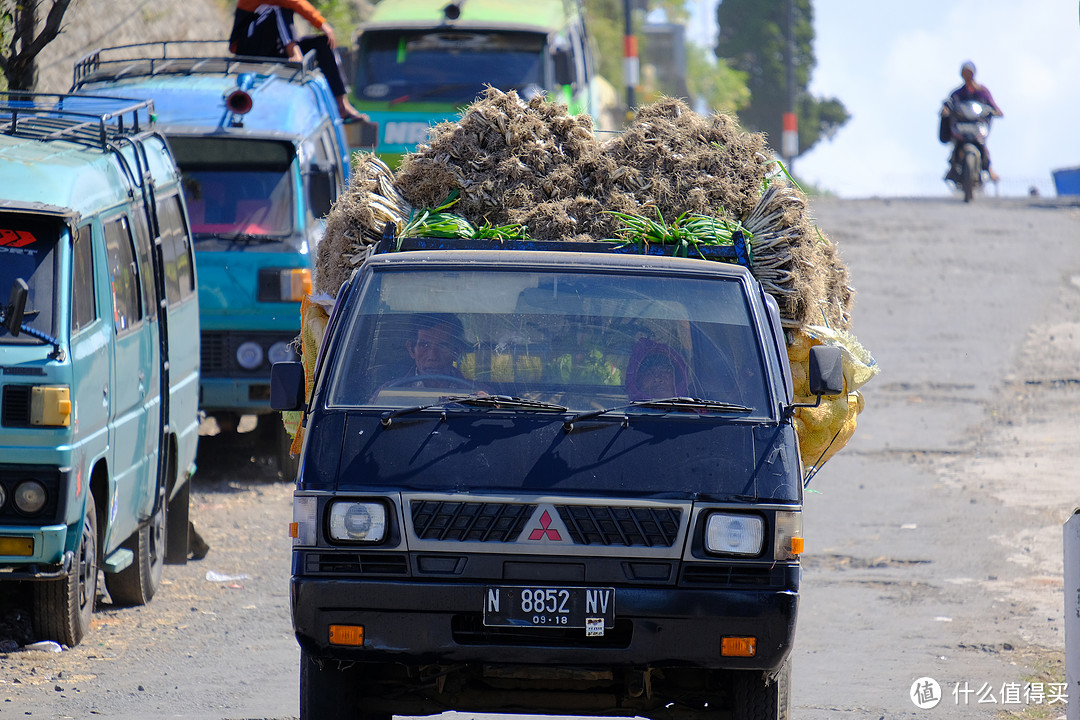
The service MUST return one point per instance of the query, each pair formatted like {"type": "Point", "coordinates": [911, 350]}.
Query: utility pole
{"type": "Point", "coordinates": [631, 64]}
{"type": "Point", "coordinates": [789, 138]}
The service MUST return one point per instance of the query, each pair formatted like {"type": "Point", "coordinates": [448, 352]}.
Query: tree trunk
{"type": "Point", "coordinates": [18, 60]}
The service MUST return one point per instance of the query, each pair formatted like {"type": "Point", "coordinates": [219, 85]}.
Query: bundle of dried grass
{"type": "Point", "coordinates": [532, 164]}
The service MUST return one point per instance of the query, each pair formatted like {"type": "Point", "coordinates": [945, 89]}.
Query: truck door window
{"type": "Point", "coordinates": [27, 251]}
{"type": "Point", "coordinates": [83, 304]}
{"type": "Point", "coordinates": [123, 274]}
{"type": "Point", "coordinates": [446, 66]}
{"type": "Point", "coordinates": [575, 339]}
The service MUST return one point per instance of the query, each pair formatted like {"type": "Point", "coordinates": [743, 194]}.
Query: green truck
{"type": "Point", "coordinates": [418, 62]}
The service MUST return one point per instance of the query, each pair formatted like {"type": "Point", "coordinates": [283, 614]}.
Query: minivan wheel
{"type": "Point", "coordinates": [138, 582]}
{"type": "Point", "coordinates": [63, 607]}
{"type": "Point", "coordinates": [757, 698]}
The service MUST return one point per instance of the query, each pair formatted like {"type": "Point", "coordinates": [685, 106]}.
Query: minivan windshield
{"type": "Point", "coordinates": [236, 189]}
{"type": "Point", "coordinates": [446, 65]}
{"type": "Point", "coordinates": [28, 251]}
{"type": "Point", "coordinates": [583, 341]}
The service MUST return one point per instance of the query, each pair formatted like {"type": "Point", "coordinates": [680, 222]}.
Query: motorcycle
{"type": "Point", "coordinates": [967, 126]}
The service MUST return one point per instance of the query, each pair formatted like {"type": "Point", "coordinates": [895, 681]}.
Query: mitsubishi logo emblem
{"type": "Point", "coordinates": [545, 531]}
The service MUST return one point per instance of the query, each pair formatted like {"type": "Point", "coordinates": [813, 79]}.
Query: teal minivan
{"type": "Point", "coordinates": [263, 155]}
{"type": "Point", "coordinates": [99, 356]}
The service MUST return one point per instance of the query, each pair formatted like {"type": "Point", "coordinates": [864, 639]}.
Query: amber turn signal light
{"type": "Point", "coordinates": [347, 635]}
{"type": "Point", "coordinates": [738, 646]}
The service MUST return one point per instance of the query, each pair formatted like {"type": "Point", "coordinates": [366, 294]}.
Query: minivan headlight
{"type": "Point", "coordinates": [30, 496]}
{"type": "Point", "coordinates": [734, 534]}
{"type": "Point", "coordinates": [361, 521]}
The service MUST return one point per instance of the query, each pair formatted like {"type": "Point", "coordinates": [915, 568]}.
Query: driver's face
{"type": "Point", "coordinates": [433, 351]}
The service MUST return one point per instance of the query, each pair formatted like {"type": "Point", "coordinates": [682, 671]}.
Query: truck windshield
{"type": "Point", "coordinates": [236, 188]}
{"type": "Point", "coordinates": [28, 251]}
{"type": "Point", "coordinates": [581, 340]}
{"type": "Point", "coordinates": [445, 66]}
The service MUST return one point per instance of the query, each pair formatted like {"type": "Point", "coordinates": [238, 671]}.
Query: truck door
{"type": "Point", "coordinates": [133, 432]}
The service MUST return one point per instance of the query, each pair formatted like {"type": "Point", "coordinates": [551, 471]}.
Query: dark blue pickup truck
{"type": "Point", "coordinates": [548, 478]}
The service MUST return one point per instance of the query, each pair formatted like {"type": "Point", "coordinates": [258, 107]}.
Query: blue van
{"type": "Point", "coordinates": [99, 355]}
{"type": "Point", "coordinates": [263, 155]}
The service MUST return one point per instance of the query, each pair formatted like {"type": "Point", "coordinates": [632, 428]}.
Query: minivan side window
{"type": "Point", "coordinates": [83, 305]}
{"type": "Point", "coordinates": [146, 262]}
{"type": "Point", "coordinates": [123, 274]}
{"type": "Point", "coordinates": [176, 249]}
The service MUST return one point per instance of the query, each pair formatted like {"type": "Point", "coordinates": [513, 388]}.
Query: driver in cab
{"type": "Point", "coordinates": [435, 345]}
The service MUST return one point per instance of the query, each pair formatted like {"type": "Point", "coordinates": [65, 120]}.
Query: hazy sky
{"type": "Point", "coordinates": [892, 64]}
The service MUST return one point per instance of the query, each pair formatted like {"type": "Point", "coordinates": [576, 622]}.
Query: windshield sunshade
{"type": "Point", "coordinates": [28, 251]}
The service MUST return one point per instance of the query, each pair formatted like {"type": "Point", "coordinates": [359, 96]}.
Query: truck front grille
{"type": "Point", "coordinates": [624, 526]}
{"type": "Point", "coordinates": [475, 521]}
{"type": "Point", "coordinates": [620, 526]}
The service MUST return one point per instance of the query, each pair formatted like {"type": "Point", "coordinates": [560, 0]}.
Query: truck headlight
{"type": "Point", "coordinates": [362, 521]}
{"type": "Point", "coordinates": [280, 352]}
{"type": "Point", "coordinates": [249, 355]}
{"type": "Point", "coordinates": [734, 534]}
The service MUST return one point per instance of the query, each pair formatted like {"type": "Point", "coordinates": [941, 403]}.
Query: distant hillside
{"type": "Point", "coordinates": [90, 24]}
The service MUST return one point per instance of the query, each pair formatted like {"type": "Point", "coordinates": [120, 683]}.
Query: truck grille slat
{"type": "Point", "coordinates": [473, 521]}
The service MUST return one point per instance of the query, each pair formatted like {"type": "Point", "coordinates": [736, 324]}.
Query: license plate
{"type": "Point", "coordinates": [562, 607]}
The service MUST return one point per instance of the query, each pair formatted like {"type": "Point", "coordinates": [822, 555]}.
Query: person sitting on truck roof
{"type": "Point", "coordinates": [655, 371]}
{"type": "Point", "coordinates": [264, 28]}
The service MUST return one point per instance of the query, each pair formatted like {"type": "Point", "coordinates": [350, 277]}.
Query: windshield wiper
{"type": "Point", "coordinates": [510, 401]}
{"type": "Point", "coordinates": [248, 238]}
{"type": "Point", "coordinates": [677, 403]}
{"type": "Point", "coordinates": [445, 87]}
{"type": "Point", "coordinates": [476, 400]}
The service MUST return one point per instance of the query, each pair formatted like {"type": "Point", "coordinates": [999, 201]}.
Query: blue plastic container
{"type": "Point", "coordinates": [1067, 181]}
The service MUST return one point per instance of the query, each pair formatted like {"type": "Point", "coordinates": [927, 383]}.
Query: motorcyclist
{"type": "Point", "coordinates": [970, 90]}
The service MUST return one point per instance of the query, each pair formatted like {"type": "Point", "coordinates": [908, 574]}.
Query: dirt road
{"type": "Point", "coordinates": [933, 539]}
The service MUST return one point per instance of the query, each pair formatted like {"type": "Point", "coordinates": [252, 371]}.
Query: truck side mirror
{"type": "Point", "coordinates": [287, 386]}
{"type": "Point", "coordinates": [565, 72]}
{"type": "Point", "coordinates": [826, 370]}
{"type": "Point", "coordinates": [16, 307]}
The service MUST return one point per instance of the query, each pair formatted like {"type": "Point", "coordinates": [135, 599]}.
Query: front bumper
{"type": "Point", "coordinates": [433, 622]}
{"type": "Point", "coordinates": [244, 395]}
{"type": "Point", "coordinates": [47, 558]}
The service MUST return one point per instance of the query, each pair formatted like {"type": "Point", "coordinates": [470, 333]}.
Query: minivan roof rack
{"type": "Point", "coordinates": [181, 57]}
{"type": "Point", "coordinates": [90, 120]}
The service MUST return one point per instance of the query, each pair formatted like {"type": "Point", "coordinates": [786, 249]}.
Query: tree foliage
{"type": "Point", "coordinates": [715, 82]}
{"type": "Point", "coordinates": [752, 39]}
{"type": "Point", "coordinates": [23, 36]}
